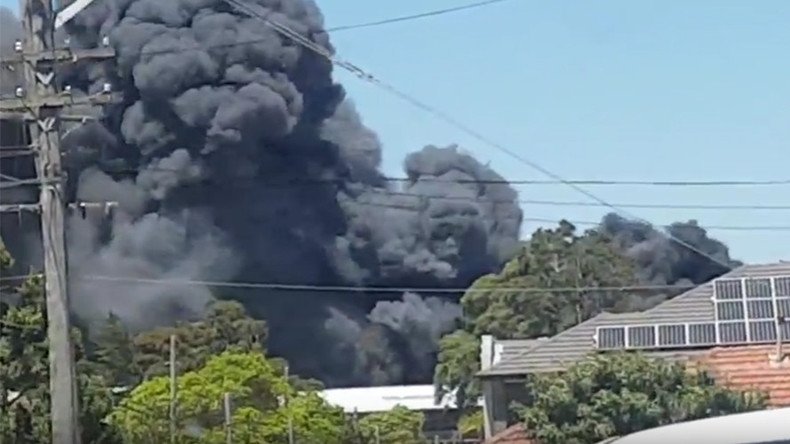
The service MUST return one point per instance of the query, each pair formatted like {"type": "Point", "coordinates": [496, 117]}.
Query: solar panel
{"type": "Point", "coordinates": [641, 336]}
{"type": "Point", "coordinates": [758, 288]}
{"type": "Point", "coordinates": [672, 335]}
{"type": "Point", "coordinates": [702, 334]}
{"type": "Point", "coordinates": [611, 337]}
{"type": "Point", "coordinates": [782, 286]}
{"type": "Point", "coordinates": [760, 309]}
{"type": "Point", "coordinates": [727, 289]}
{"type": "Point", "coordinates": [783, 306]}
{"type": "Point", "coordinates": [762, 331]}
{"type": "Point", "coordinates": [732, 332]}
{"type": "Point", "coordinates": [745, 311]}
{"type": "Point", "coordinates": [728, 311]}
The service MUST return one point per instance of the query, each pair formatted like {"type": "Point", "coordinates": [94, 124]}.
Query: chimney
{"type": "Point", "coordinates": [487, 343]}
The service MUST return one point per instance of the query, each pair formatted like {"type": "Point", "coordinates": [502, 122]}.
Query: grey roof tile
{"type": "Point", "coordinates": [556, 353]}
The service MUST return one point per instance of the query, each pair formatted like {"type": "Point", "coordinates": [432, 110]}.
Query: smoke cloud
{"type": "Point", "coordinates": [661, 261]}
{"type": "Point", "coordinates": [235, 156]}
{"type": "Point", "coordinates": [246, 162]}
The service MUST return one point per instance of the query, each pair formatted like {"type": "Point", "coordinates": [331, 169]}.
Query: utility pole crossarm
{"type": "Point", "coordinates": [59, 55]}
{"type": "Point", "coordinates": [24, 105]}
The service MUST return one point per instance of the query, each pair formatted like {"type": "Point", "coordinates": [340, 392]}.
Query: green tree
{"type": "Point", "coordinates": [263, 403]}
{"type": "Point", "coordinates": [225, 327]}
{"type": "Point", "coordinates": [553, 259]}
{"type": "Point", "coordinates": [24, 372]}
{"type": "Point", "coordinates": [457, 363]}
{"type": "Point", "coordinates": [114, 353]}
{"type": "Point", "coordinates": [397, 426]}
{"type": "Point", "coordinates": [618, 394]}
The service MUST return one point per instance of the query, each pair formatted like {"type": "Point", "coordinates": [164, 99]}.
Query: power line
{"type": "Point", "coordinates": [706, 227]}
{"type": "Point", "coordinates": [369, 289]}
{"type": "Point", "coordinates": [592, 204]}
{"type": "Point", "coordinates": [665, 183]}
{"type": "Point", "coordinates": [414, 16]}
{"type": "Point", "coordinates": [298, 182]}
{"type": "Point", "coordinates": [366, 76]}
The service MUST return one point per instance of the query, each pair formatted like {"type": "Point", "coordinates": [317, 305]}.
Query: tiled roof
{"type": "Point", "coordinates": [515, 434]}
{"type": "Point", "coordinates": [750, 368]}
{"type": "Point", "coordinates": [507, 349]}
{"type": "Point", "coordinates": [564, 349]}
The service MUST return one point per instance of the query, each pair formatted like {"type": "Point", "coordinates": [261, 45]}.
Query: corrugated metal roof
{"type": "Point", "coordinates": [384, 398]}
{"type": "Point", "coordinates": [564, 349]}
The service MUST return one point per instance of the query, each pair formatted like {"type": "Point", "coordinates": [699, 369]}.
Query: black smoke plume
{"type": "Point", "coordinates": [245, 162]}
{"type": "Point", "coordinates": [234, 161]}
{"type": "Point", "coordinates": [660, 260]}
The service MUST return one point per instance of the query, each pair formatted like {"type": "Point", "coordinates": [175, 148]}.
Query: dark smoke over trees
{"type": "Point", "coordinates": [660, 260]}
{"type": "Point", "coordinates": [246, 162]}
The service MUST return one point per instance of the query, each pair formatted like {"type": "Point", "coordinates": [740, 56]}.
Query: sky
{"type": "Point", "coordinates": [607, 89]}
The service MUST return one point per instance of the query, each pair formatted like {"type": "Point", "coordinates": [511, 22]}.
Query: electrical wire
{"type": "Point", "coordinates": [299, 182]}
{"type": "Point", "coordinates": [589, 204]}
{"type": "Point", "coordinates": [363, 289]}
{"type": "Point", "coordinates": [666, 183]}
{"type": "Point", "coordinates": [415, 16]}
{"type": "Point", "coordinates": [366, 76]}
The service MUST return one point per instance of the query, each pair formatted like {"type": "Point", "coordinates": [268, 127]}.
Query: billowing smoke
{"type": "Point", "coordinates": [235, 157]}
{"type": "Point", "coordinates": [413, 323]}
{"type": "Point", "coordinates": [234, 161]}
{"type": "Point", "coordinates": [660, 260]}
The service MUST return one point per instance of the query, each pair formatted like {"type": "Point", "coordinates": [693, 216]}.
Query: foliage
{"type": "Point", "coordinates": [470, 425]}
{"type": "Point", "coordinates": [6, 261]}
{"type": "Point", "coordinates": [553, 258]}
{"type": "Point", "coordinates": [456, 366]}
{"type": "Point", "coordinates": [114, 353]}
{"type": "Point", "coordinates": [24, 373]}
{"type": "Point", "coordinates": [556, 258]}
{"type": "Point", "coordinates": [258, 391]}
{"type": "Point", "coordinates": [613, 395]}
{"type": "Point", "coordinates": [225, 327]}
{"type": "Point", "coordinates": [397, 426]}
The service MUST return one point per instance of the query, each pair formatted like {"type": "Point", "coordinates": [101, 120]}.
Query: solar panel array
{"type": "Point", "coordinates": [747, 311]}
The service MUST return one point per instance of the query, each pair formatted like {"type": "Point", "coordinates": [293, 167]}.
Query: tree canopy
{"type": "Point", "coordinates": [553, 259]}
{"type": "Point", "coordinates": [263, 402]}
{"type": "Point", "coordinates": [397, 426]}
{"type": "Point", "coordinates": [226, 326]}
{"type": "Point", "coordinates": [617, 394]}
{"type": "Point", "coordinates": [556, 259]}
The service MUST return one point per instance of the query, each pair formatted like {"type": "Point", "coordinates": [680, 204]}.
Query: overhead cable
{"type": "Point", "coordinates": [414, 16]}
{"type": "Point", "coordinates": [368, 77]}
{"type": "Point", "coordinates": [371, 289]}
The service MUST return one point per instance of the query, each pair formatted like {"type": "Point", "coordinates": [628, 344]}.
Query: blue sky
{"type": "Point", "coordinates": [610, 89]}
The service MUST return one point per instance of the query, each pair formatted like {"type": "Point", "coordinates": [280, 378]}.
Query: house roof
{"type": "Point", "coordinates": [515, 434]}
{"type": "Point", "coordinates": [750, 368]}
{"type": "Point", "coordinates": [737, 368]}
{"type": "Point", "coordinates": [562, 350]}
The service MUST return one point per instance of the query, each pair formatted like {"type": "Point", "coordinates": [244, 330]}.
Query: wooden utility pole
{"type": "Point", "coordinates": [39, 102]}
{"type": "Point", "coordinates": [287, 399]}
{"type": "Point", "coordinates": [173, 389]}
{"type": "Point", "coordinates": [228, 416]}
